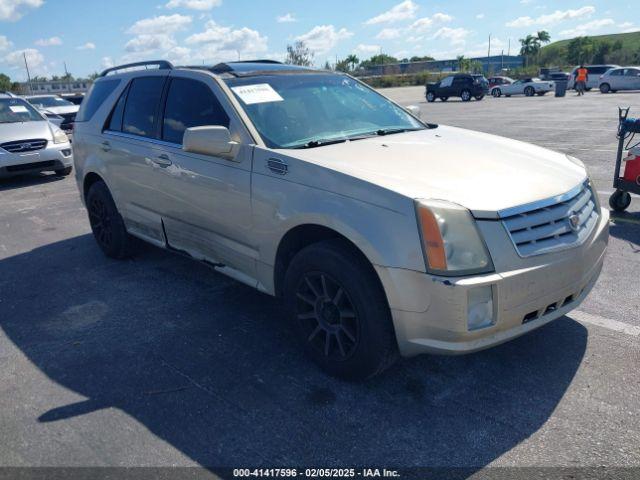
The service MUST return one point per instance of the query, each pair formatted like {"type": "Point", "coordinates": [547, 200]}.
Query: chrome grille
{"type": "Point", "coordinates": [561, 224]}
{"type": "Point", "coordinates": [23, 146]}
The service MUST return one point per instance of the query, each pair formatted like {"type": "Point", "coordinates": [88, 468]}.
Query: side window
{"type": "Point", "coordinates": [631, 72]}
{"type": "Point", "coordinates": [99, 92]}
{"type": "Point", "coordinates": [142, 105]}
{"type": "Point", "coordinates": [115, 119]}
{"type": "Point", "coordinates": [617, 73]}
{"type": "Point", "coordinates": [446, 82]}
{"type": "Point", "coordinates": [190, 103]}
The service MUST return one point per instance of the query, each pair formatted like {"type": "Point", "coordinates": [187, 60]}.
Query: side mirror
{"type": "Point", "coordinates": [210, 140]}
{"type": "Point", "coordinates": [413, 110]}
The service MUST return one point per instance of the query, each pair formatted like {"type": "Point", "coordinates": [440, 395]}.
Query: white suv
{"type": "Point", "coordinates": [383, 233]}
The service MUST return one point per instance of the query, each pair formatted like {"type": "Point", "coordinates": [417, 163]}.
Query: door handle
{"type": "Point", "coordinates": [106, 146]}
{"type": "Point", "coordinates": [162, 160]}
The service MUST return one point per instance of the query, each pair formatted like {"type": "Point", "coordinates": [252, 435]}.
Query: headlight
{"type": "Point", "coordinates": [58, 135]}
{"type": "Point", "coordinates": [451, 242]}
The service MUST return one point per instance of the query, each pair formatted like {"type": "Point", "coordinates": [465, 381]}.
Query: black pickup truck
{"type": "Point", "coordinates": [463, 85]}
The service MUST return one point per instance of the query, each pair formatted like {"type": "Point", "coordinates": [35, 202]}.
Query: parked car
{"type": "Point", "coordinates": [58, 106]}
{"type": "Point", "coordinates": [29, 143]}
{"type": "Point", "coordinates": [383, 234]}
{"type": "Point", "coordinates": [75, 98]}
{"type": "Point", "coordinates": [622, 78]}
{"type": "Point", "coordinates": [497, 81]}
{"type": "Point", "coordinates": [594, 72]}
{"type": "Point", "coordinates": [526, 86]}
{"type": "Point", "coordinates": [463, 85]}
{"type": "Point", "coordinates": [558, 76]}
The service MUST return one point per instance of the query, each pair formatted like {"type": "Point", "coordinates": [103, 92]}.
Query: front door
{"type": "Point", "coordinates": [206, 201]}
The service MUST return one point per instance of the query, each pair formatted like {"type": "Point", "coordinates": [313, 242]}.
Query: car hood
{"type": "Point", "coordinates": [62, 110]}
{"type": "Point", "coordinates": [14, 132]}
{"type": "Point", "coordinates": [484, 173]}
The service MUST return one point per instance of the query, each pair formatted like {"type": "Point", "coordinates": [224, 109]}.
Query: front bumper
{"type": "Point", "coordinates": [54, 156]}
{"type": "Point", "coordinates": [430, 313]}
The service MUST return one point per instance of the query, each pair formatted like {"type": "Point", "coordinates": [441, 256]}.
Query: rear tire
{"type": "Point", "coordinates": [107, 224]}
{"type": "Point", "coordinates": [431, 97]}
{"type": "Point", "coordinates": [605, 88]}
{"type": "Point", "coordinates": [340, 311]}
{"type": "Point", "coordinates": [496, 93]}
{"type": "Point", "coordinates": [619, 201]}
{"type": "Point", "coordinates": [465, 95]}
{"type": "Point", "coordinates": [529, 92]}
{"type": "Point", "coordinates": [64, 172]}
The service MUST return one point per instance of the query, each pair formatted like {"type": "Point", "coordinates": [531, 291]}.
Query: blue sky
{"type": "Point", "coordinates": [91, 34]}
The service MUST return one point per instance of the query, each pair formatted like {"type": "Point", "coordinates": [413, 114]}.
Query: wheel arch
{"type": "Point", "coordinates": [89, 179]}
{"type": "Point", "coordinates": [303, 235]}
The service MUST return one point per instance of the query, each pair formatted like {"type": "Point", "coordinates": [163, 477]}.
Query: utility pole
{"type": "Point", "coordinates": [489, 55]}
{"type": "Point", "coordinates": [26, 65]}
{"type": "Point", "coordinates": [509, 48]}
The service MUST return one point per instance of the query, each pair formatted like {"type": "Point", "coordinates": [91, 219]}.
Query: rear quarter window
{"type": "Point", "coordinates": [95, 98]}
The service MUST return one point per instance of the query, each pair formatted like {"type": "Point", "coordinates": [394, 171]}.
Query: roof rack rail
{"type": "Point", "coordinates": [266, 60]}
{"type": "Point", "coordinates": [161, 64]}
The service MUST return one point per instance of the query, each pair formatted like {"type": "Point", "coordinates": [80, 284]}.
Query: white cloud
{"type": "Point", "coordinates": [13, 10]}
{"type": "Point", "coordinates": [480, 16]}
{"type": "Point", "coordinates": [220, 42]}
{"type": "Point", "coordinates": [441, 17]}
{"type": "Point", "coordinates": [286, 18]}
{"type": "Point", "coordinates": [526, 2]}
{"type": "Point", "coordinates": [421, 24]}
{"type": "Point", "coordinates": [587, 28]}
{"type": "Point", "coordinates": [87, 46]}
{"type": "Point", "coordinates": [107, 62]}
{"type": "Point", "coordinates": [15, 59]}
{"type": "Point", "coordinates": [323, 38]}
{"type": "Point", "coordinates": [163, 24]}
{"type": "Point", "coordinates": [5, 43]}
{"type": "Point", "coordinates": [150, 43]}
{"type": "Point", "coordinates": [201, 5]}
{"type": "Point", "coordinates": [367, 49]}
{"type": "Point", "coordinates": [456, 36]}
{"type": "Point", "coordinates": [402, 11]}
{"type": "Point", "coordinates": [388, 34]}
{"type": "Point", "coordinates": [625, 25]}
{"type": "Point", "coordinates": [551, 18]}
{"type": "Point", "coordinates": [49, 42]}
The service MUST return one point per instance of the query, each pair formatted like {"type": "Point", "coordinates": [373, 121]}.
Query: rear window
{"type": "Point", "coordinates": [597, 70]}
{"type": "Point", "coordinates": [95, 98]}
{"type": "Point", "coordinates": [141, 110]}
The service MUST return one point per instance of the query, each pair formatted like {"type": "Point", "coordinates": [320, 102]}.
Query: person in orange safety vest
{"type": "Point", "coordinates": [582, 75]}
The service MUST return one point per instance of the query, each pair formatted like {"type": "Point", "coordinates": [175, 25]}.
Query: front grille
{"type": "Point", "coordinates": [554, 227]}
{"type": "Point", "coordinates": [30, 166]}
{"type": "Point", "coordinates": [23, 146]}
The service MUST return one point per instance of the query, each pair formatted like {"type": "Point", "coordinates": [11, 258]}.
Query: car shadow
{"type": "Point", "coordinates": [626, 226]}
{"type": "Point", "coordinates": [210, 367]}
{"type": "Point", "coordinates": [28, 180]}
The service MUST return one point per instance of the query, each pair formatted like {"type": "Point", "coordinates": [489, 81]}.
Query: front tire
{"type": "Point", "coordinates": [107, 224]}
{"type": "Point", "coordinates": [529, 92]}
{"type": "Point", "coordinates": [605, 88]}
{"type": "Point", "coordinates": [496, 93]}
{"type": "Point", "coordinates": [465, 95]}
{"type": "Point", "coordinates": [619, 201]}
{"type": "Point", "coordinates": [340, 311]}
{"type": "Point", "coordinates": [431, 97]}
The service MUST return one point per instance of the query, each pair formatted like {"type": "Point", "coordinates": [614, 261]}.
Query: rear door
{"type": "Point", "coordinates": [128, 137]}
{"type": "Point", "coordinates": [632, 78]}
{"type": "Point", "coordinates": [445, 87]}
{"type": "Point", "coordinates": [206, 200]}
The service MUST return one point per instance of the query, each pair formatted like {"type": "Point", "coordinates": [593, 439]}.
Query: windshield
{"type": "Point", "coordinates": [308, 110]}
{"type": "Point", "coordinates": [15, 110]}
{"type": "Point", "coordinates": [46, 102]}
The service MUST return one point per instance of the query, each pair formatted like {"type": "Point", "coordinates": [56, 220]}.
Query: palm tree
{"type": "Point", "coordinates": [352, 60]}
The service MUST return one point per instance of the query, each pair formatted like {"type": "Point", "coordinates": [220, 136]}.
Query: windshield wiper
{"type": "Point", "coordinates": [389, 131]}
{"type": "Point", "coordinates": [321, 142]}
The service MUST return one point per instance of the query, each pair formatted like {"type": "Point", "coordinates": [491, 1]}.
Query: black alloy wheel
{"type": "Point", "coordinates": [327, 316]}
{"type": "Point", "coordinates": [101, 222]}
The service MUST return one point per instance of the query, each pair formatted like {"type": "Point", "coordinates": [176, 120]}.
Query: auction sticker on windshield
{"type": "Point", "coordinates": [258, 93]}
{"type": "Point", "coordinates": [18, 109]}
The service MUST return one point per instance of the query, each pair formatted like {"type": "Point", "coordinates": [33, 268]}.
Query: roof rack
{"type": "Point", "coordinates": [161, 64]}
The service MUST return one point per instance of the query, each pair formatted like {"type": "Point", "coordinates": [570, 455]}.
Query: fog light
{"type": "Point", "coordinates": [480, 308]}
{"type": "Point", "coordinates": [66, 152]}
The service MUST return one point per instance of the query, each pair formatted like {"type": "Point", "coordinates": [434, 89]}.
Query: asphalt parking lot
{"type": "Point", "coordinates": [159, 361]}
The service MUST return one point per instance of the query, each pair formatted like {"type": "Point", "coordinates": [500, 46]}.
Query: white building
{"type": "Point", "coordinates": [55, 87]}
